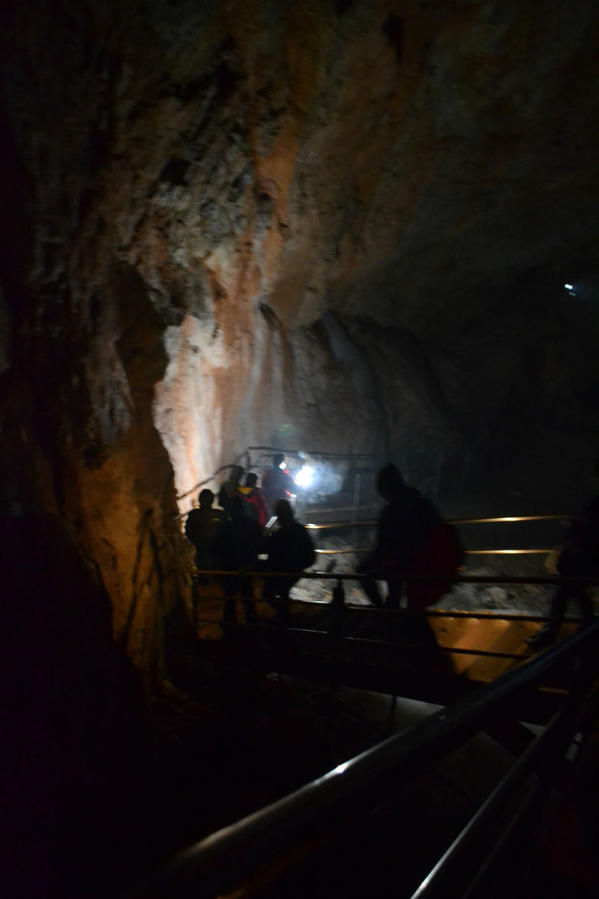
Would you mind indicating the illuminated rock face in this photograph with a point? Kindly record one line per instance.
(337, 225)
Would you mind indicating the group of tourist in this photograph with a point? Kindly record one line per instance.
(235, 538)
(412, 542)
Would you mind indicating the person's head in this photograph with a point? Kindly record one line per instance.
(235, 475)
(206, 498)
(278, 459)
(251, 479)
(284, 512)
(389, 482)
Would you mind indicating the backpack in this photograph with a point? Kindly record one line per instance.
(441, 553)
(250, 510)
(308, 551)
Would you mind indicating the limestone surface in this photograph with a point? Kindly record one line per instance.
(337, 226)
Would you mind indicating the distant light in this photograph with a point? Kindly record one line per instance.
(570, 289)
(568, 286)
(305, 476)
(282, 465)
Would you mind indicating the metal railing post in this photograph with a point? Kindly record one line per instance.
(337, 606)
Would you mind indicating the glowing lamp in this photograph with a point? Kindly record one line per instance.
(305, 476)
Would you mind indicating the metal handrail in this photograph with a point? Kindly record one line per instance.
(467, 552)
(399, 576)
(372, 523)
(314, 453)
(505, 519)
(226, 859)
(348, 456)
(509, 519)
(436, 880)
(389, 612)
(362, 640)
(275, 449)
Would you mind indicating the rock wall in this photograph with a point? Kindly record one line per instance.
(335, 224)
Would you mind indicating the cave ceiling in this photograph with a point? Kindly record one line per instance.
(376, 158)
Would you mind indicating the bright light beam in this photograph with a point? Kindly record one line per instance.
(305, 476)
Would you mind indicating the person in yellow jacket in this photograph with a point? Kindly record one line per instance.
(254, 504)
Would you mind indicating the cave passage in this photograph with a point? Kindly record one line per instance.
(361, 231)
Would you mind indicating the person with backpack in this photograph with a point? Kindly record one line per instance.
(289, 549)
(254, 504)
(579, 558)
(411, 540)
(201, 527)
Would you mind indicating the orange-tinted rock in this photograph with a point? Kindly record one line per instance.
(230, 222)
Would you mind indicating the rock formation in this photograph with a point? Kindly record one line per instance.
(337, 225)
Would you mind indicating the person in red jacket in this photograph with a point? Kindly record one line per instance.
(277, 483)
(411, 540)
(253, 500)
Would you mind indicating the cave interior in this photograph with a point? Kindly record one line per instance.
(363, 227)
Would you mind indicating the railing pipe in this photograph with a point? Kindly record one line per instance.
(505, 519)
(222, 860)
(549, 746)
(467, 552)
(435, 883)
(456, 578)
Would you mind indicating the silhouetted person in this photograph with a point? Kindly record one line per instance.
(411, 540)
(236, 547)
(578, 558)
(254, 504)
(277, 483)
(201, 528)
(228, 489)
(405, 523)
(289, 549)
